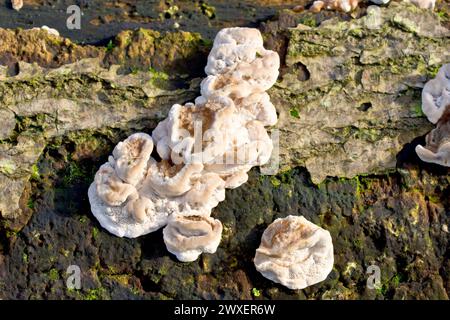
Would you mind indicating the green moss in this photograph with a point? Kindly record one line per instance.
(64, 252)
(53, 274)
(95, 233)
(95, 294)
(35, 172)
(418, 112)
(135, 291)
(383, 289)
(359, 187)
(110, 46)
(356, 32)
(159, 78)
(310, 50)
(396, 280)
(371, 135)
(164, 270)
(443, 15)
(434, 198)
(122, 279)
(299, 47)
(83, 219)
(309, 21)
(134, 70)
(256, 292)
(233, 262)
(275, 182)
(74, 173)
(357, 243)
(207, 10)
(7, 167)
(11, 233)
(30, 203)
(283, 177)
(294, 113)
(25, 258)
(433, 70)
(206, 42)
(170, 12)
(188, 281)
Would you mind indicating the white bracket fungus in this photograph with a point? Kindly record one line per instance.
(17, 4)
(437, 148)
(436, 106)
(436, 94)
(338, 5)
(187, 237)
(295, 253)
(204, 148)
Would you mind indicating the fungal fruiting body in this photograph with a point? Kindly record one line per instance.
(350, 5)
(436, 94)
(437, 149)
(189, 236)
(338, 5)
(436, 106)
(17, 4)
(295, 253)
(204, 147)
(51, 30)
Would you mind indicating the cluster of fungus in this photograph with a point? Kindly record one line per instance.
(350, 5)
(201, 149)
(436, 106)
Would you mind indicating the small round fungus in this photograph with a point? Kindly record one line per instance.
(436, 94)
(338, 5)
(295, 253)
(17, 4)
(187, 237)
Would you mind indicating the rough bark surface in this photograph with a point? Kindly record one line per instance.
(349, 103)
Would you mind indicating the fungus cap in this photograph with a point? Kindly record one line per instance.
(339, 5)
(17, 4)
(437, 149)
(231, 46)
(436, 94)
(295, 253)
(187, 237)
(134, 193)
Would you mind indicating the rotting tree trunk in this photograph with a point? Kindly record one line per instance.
(348, 98)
